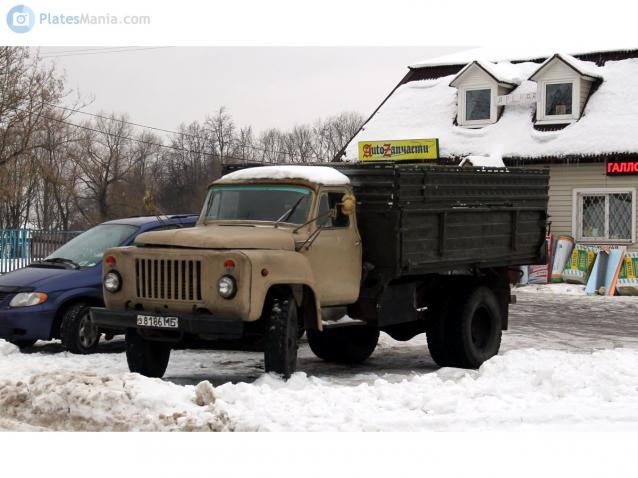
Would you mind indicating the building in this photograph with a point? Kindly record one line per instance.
(576, 114)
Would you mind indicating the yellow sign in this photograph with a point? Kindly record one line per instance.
(398, 150)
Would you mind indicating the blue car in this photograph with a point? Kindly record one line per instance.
(51, 298)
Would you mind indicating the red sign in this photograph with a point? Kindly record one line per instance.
(622, 167)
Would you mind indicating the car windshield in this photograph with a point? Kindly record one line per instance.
(290, 204)
(87, 249)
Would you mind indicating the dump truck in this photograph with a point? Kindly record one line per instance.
(341, 252)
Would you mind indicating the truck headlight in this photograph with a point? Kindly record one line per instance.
(227, 287)
(27, 299)
(112, 281)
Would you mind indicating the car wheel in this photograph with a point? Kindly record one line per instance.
(77, 332)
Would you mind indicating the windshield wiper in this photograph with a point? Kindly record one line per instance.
(289, 212)
(63, 261)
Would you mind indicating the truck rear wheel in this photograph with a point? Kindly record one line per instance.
(472, 330)
(281, 343)
(349, 345)
(146, 357)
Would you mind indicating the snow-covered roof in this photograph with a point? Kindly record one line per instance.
(316, 174)
(427, 109)
(501, 72)
(513, 52)
(584, 68)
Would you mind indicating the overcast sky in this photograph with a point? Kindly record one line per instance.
(265, 87)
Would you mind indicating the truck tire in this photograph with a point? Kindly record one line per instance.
(281, 342)
(77, 332)
(473, 329)
(435, 328)
(146, 357)
(348, 345)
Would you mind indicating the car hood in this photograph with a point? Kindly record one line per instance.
(221, 237)
(49, 279)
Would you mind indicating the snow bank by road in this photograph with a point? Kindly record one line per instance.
(521, 389)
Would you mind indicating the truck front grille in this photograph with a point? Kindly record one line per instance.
(168, 279)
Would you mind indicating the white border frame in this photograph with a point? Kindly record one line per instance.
(577, 215)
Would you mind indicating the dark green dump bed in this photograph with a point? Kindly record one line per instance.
(418, 219)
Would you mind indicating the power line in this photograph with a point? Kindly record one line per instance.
(105, 52)
(162, 130)
(137, 140)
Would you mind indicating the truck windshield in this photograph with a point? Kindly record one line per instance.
(87, 249)
(290, 204)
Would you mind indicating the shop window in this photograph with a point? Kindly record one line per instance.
(605, 215)
(329, 202)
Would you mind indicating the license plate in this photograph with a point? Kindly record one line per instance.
(159, 322)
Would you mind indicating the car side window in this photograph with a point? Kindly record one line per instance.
(330, 202)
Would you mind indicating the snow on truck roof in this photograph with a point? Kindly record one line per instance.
(315, 174)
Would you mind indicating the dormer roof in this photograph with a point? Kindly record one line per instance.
(501, 73)
(585, 69)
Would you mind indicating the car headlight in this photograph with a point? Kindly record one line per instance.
(27, 299)
(112, 281)
(227, 287)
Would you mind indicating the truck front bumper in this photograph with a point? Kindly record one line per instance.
(211, 326)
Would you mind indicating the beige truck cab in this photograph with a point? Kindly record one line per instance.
(272, 247)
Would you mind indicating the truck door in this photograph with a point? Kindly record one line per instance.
(335, 255)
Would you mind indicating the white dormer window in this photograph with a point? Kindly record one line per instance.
(564, 84)
(479, 84)
(479, 107)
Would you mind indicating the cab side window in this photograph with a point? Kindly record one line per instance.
(327, 202)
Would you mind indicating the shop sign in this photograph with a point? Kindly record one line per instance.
(622, 167)
(399, 150)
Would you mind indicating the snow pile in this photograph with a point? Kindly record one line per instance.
(521, 389)
(64, 400)
(483, 162)
(315, 174)
(7, 348)
(560, 289)
(427, 109)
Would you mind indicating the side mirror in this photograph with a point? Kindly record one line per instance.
(348, 204)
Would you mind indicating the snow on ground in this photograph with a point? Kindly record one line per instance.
(567, 362)
(559, 288)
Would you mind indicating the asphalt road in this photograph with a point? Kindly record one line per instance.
(540, 321)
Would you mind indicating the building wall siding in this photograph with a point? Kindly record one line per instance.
(585, 88)
(564, 178)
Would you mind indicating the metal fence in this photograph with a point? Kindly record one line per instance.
(20, 247)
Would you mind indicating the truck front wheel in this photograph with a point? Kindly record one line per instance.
(471, 333)
(146, 357)
(281, 344)
(349, 345)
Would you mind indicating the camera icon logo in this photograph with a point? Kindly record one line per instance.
(20, 19)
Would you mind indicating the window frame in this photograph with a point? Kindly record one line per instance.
(577, 214)
(462, 103)
(327, 191)
(542, 117)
